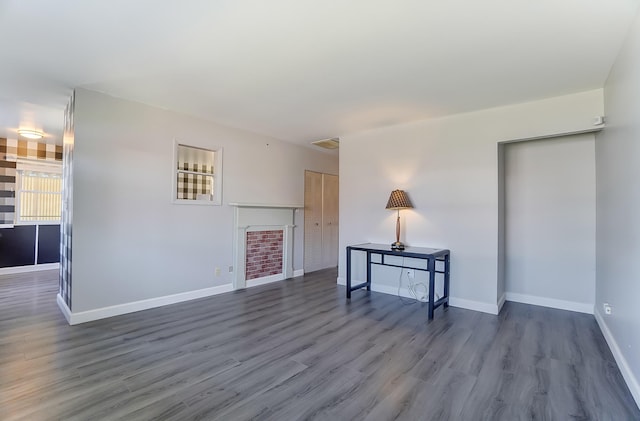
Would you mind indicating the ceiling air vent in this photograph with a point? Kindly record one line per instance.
(333, 143)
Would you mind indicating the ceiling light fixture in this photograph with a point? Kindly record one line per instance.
(30, 134)
(333, 143)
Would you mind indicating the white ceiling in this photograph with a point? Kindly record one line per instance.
(301, 70)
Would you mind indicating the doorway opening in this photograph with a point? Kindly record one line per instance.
(547, 222)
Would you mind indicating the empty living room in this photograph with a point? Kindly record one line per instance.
(305, 210)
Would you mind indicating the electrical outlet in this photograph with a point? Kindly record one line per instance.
(410, 273)
(217, 271)
(230, 269)
(607, 308)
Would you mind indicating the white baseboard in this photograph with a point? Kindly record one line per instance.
(64, 308)
(453, 301)
(501, 301)
(29, 268)
(473, 305)
(117, 310)
(550, 302)
(629, 377)
(298, 272)
(387, 289)
(264, 280)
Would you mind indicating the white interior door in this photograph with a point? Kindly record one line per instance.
(550, 222)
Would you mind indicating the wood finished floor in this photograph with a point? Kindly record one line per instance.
(296, 350)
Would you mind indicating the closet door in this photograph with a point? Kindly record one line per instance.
(330, 221)
(312, 221)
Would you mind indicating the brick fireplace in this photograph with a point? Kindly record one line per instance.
(264, 253)
(263, 243)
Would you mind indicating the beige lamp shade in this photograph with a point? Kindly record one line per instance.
(399, 200)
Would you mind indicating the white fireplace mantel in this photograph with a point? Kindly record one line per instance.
(261, 216)
(265, 205)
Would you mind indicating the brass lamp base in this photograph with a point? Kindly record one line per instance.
(397, 246)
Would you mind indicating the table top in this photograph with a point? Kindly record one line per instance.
(409, 251)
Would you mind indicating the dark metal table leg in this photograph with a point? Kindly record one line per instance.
(368, 271)
(431, 266)
(446, 280)
(348, 272)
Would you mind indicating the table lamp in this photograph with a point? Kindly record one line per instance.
(398, 200)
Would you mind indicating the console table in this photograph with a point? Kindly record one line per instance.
(383, 250)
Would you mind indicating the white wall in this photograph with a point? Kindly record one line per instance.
(130, 242)
(618, 212)
(551, 222)
(449, 168)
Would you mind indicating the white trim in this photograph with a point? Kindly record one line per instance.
(248, 217)
(385, 289)
(501, 301)
(35, 247)
(271, 278)
(265, 205)
(453, 301)
(39, 165)
(627, 373)
(116, 310)
(473, 305)
(272, 227)
(594, 129)
(550, 302)
(264, 280)
(195, 202)
(63, 308)
(29, 268)
(29, 223)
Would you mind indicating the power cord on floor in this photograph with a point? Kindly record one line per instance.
(413, 288)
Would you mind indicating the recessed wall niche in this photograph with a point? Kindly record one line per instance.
(197, 174)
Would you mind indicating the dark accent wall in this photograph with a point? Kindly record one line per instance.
(49, 244)
(18, 246)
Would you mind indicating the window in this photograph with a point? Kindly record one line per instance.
(38, 194)
(198, 175)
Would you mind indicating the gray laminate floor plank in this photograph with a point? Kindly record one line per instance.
(297, 350)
